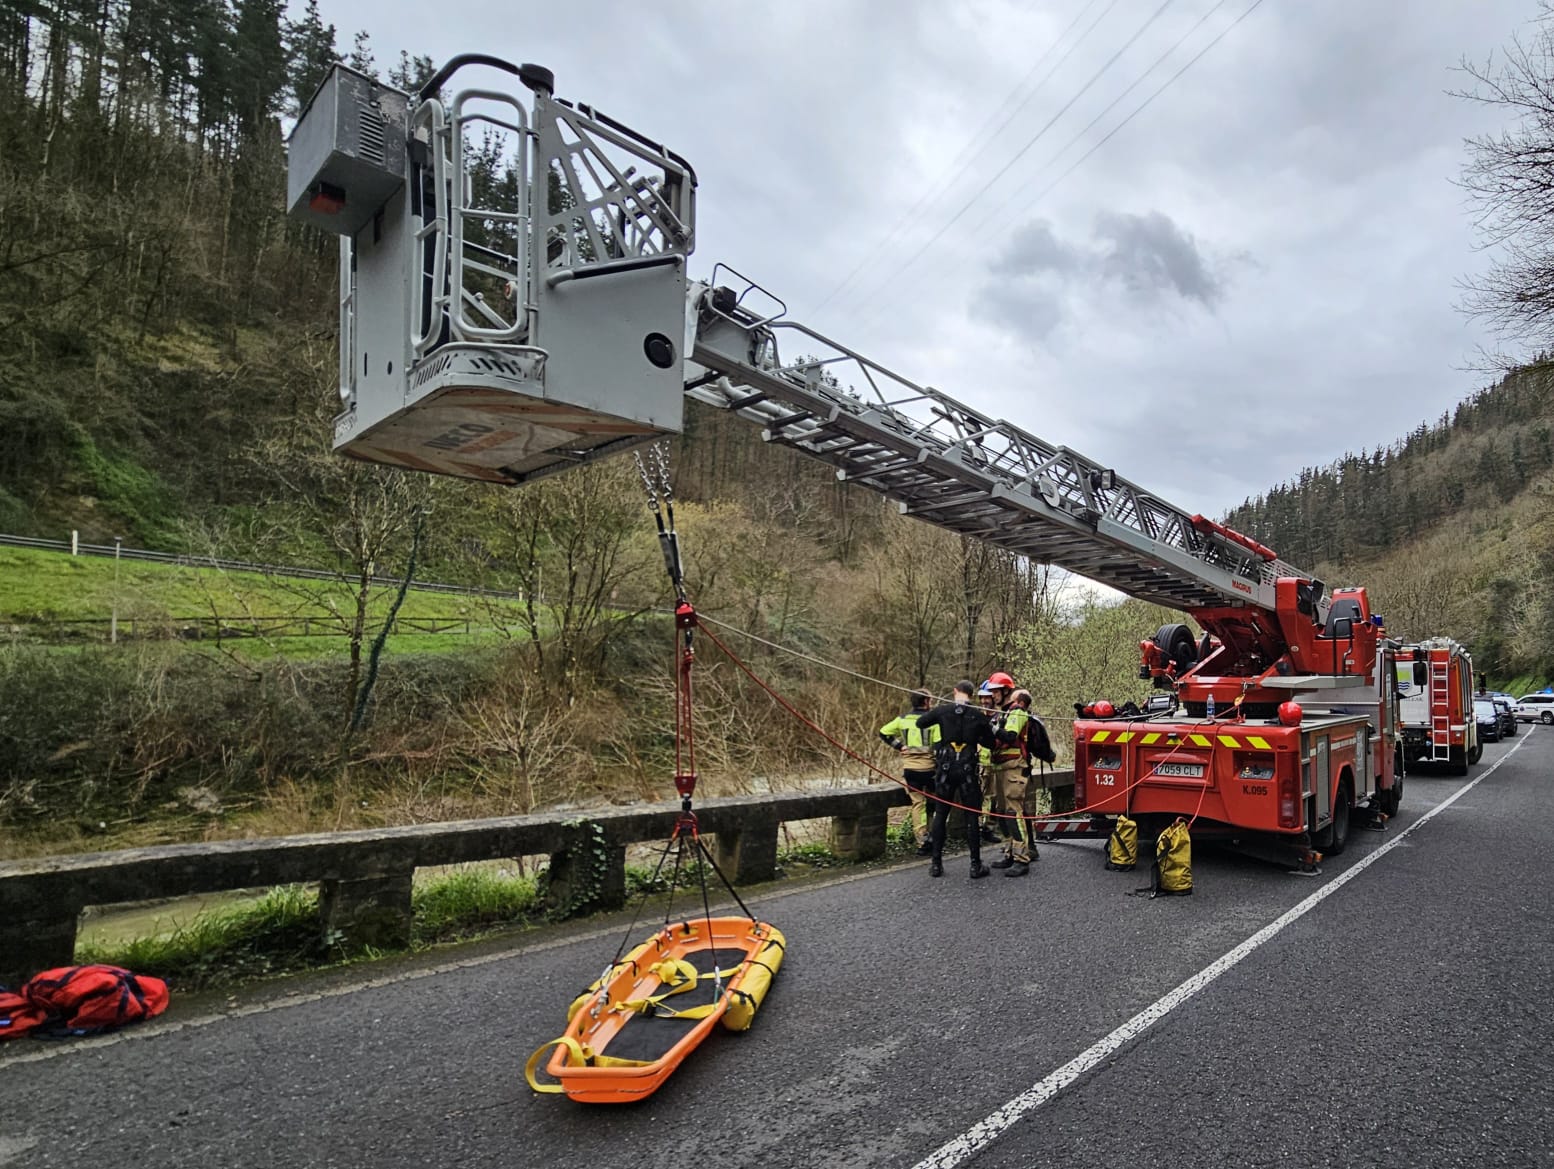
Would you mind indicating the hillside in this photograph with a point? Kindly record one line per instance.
(1449, 526)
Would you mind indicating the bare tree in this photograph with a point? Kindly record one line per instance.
(574, 547)
(366, 515)
(1509, 177)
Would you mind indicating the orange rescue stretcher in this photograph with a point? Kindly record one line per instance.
(631, 1028)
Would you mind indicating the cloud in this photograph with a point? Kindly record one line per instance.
(1034, 249)
(1039, 280)
(1151, 256)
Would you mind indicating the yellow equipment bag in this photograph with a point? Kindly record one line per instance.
(1122, 847)
(1173, 861)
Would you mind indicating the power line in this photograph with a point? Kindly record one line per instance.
(1139, 109)
(939, 187)
(1019, 154)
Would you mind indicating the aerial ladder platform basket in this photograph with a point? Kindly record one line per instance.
(512, 275)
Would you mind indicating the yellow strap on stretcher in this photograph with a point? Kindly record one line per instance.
(699, 1012)
(581, 1056)
(675, 973)
(530, 1069)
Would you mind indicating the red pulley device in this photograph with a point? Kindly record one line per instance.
(1289, 714)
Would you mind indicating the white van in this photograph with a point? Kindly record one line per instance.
(1535, 708)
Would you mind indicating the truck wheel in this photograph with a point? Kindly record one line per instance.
(1176, 642)
(1476, 754)
(1459, 761)
(1388, 801)
(1333, 839)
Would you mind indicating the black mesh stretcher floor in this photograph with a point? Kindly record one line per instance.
(649, 1037)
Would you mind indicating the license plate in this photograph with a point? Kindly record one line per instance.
(1191, 770)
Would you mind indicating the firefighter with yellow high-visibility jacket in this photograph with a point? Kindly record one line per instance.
(991, 809)
(917, 761)
(1022, 732)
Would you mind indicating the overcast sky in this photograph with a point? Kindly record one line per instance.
(1256, 274)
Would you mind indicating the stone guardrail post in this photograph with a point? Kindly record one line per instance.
(747, 854)
(367, 911)
(28, 945)
(587, 873)
(859, 838)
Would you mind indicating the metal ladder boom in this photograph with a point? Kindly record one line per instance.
(955, 467)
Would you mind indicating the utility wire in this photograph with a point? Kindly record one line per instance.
(702, 617)
(1111, 105)
(1019, 154)
(940, 187)
(1139, 109)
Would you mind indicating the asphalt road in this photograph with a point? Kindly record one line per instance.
(1399, 1016)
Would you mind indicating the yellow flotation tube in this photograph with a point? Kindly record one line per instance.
(634, 1024)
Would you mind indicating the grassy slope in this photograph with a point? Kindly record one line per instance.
(55, 586)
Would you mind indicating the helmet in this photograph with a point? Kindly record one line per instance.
(1001, 681)
(985, 691)
(1102, 709)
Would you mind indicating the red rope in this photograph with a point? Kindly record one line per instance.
(850, 753)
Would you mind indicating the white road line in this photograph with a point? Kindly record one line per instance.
(53, 1050)
(960, 1149)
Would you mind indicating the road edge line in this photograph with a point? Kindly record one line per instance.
(959, 1149)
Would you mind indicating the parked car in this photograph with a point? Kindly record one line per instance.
(1487, 715)
(1507, 709)
(1536, 708)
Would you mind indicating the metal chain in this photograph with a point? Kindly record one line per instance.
(659, 452)
(647, 483)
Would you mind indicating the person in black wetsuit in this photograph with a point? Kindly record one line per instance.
(963, 727)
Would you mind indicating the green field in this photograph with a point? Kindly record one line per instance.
(40, 587)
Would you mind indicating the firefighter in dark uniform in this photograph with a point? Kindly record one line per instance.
(917, 762)
(964, 729)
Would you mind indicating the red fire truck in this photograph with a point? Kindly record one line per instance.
(1435, 704)
(1283, 729)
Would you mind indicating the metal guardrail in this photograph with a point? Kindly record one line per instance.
(190, 560)
(365, 876)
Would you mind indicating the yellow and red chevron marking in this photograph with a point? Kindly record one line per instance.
(1190, 739)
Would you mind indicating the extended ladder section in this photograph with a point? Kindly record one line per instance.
(956, 467)
(1440, 709)
(514, 302)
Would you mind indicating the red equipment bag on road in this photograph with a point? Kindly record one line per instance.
(18, 1016)
(82, 1000)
